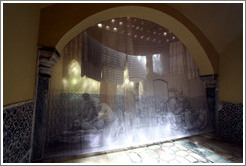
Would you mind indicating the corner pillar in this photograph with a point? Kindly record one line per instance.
(211, 84)
(47, 58)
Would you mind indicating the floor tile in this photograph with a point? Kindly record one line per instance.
(182, 160)
(196, 156)
(217, 159)
(204, 148)
(191, 159)
(135, 157)
(180, 146)
(119, 157)
(182, 153)
(168, 150)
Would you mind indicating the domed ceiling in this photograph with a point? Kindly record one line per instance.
(145, 35)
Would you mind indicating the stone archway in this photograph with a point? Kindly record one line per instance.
(180, 30)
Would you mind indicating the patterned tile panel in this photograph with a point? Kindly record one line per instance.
(230, 122)
(17, 129)
(26, 158)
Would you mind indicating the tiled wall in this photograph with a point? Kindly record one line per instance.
(17, 131)
(230, 122)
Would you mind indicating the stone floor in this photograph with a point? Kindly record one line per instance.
(204, 148)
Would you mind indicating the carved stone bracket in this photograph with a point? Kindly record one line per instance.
(210, 81)
(48, 57)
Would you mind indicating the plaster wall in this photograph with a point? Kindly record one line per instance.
(231, 73)
(20, 36)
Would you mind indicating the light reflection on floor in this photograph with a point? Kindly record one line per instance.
(134, 137)
(205, 148)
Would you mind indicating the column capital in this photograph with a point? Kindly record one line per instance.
(47, 58)
(210, 81)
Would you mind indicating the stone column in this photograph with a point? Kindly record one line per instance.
(211, 84)
(47, 58)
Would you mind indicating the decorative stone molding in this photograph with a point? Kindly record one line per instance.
(48, 57)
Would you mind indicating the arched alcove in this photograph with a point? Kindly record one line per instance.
(144, 92)
(184, 34)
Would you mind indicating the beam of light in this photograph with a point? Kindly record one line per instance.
(157, 64)
(74, 68)
(126, 81)
(126, 73)
(94, 84)
(74, 81)
(141, 88)
(139, 58)
(64, 81)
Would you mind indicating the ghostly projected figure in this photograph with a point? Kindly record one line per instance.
(106, 113)
(74, 130)
(104, 123)
(178, 105)
(112, 129)
(96, 118)
(196, 120)
(183, 116)
(89, 112)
